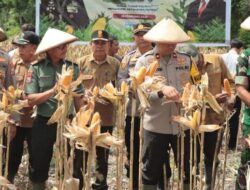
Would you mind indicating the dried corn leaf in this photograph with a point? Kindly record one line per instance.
(56, 115)
(106, 140)
(209, 128)
(5, 183)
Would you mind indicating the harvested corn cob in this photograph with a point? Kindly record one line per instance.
(152, 68)
(227, 87)
(140, 75)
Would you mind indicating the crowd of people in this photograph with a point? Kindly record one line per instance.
(32, 68)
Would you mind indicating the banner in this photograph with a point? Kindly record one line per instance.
(204, 21)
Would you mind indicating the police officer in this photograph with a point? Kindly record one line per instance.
(40, 89)
(100, 69)
(159, 131)
(214, 66)
(127, 67)
(27, 45)
(243, 90)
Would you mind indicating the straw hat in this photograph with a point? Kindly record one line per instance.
(246, 24)
(53, 38)
(166, 31)
(3, 36)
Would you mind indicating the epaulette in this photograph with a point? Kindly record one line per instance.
(150, 52)
(182, 53)
(40, 57)
(131, 52)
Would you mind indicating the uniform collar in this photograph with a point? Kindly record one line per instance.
(106, 60)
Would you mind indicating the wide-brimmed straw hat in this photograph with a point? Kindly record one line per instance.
(53, 38)
(3, 36)
(166, 31)
(246, 24)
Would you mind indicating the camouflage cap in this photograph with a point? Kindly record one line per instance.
(100, 35)
(142, 27)
(28, 37)
(3, 35)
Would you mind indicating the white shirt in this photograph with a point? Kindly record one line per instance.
(230, 59)
(207, 1)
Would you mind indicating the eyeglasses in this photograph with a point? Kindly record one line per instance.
(99, 42)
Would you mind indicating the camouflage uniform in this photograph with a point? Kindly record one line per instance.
(242, 78)
(23, 121)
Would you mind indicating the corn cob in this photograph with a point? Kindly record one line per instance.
(140, 75)
(152, 68)
(5, 100)
(11, 90)
(95, 118)
(67, 79)
(110, 88)
(124, 87)
(95, 91)
(100, 24)
(227, 87)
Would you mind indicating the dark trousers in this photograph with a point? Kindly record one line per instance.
(102, 155)
(234, 124)
(43, 139)
(136, 146)
(156, 153)
(16, 150)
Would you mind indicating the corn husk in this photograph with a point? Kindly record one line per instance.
(5, 183)
(227, 87)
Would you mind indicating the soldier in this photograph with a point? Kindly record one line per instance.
(127, 66)
(159, 131)
(40, 89)
(100, 69)
(213, 65)
(27, 45)
(243, 90)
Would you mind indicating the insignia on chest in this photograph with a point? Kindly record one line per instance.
(181, 68)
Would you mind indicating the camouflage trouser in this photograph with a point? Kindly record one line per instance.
(245, 162)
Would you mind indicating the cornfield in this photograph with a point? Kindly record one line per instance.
(77, 51)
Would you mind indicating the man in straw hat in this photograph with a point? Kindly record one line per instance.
(26, 46)
(159, 131)
(243, 90)
(40, 89)
(214, 66)
(127, 66)
(100, 69)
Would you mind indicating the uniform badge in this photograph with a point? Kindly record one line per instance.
(181, 61)
(140, 26)
(29, 77)
(100, 34)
